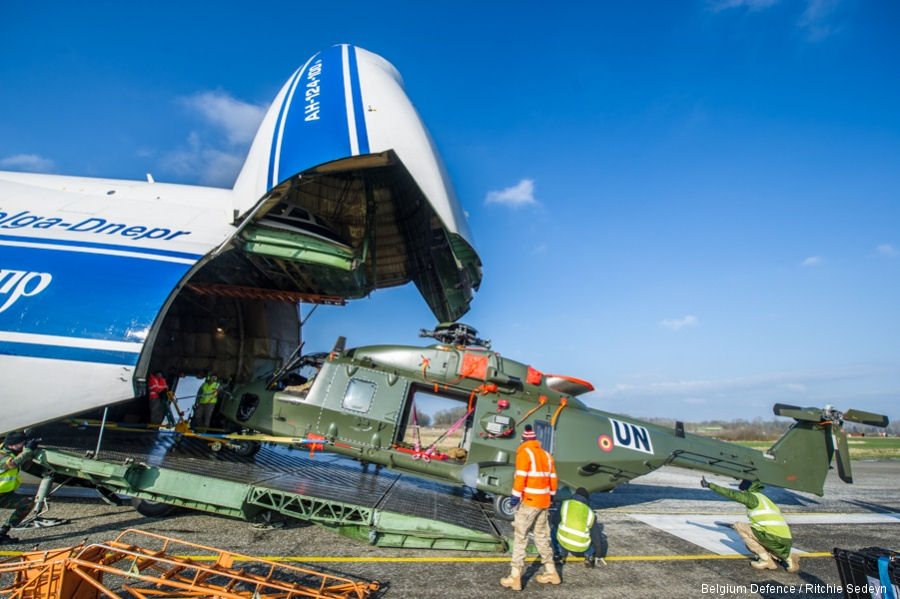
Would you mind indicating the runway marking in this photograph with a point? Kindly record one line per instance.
(399, 560)
(698, 528)
(707, 531)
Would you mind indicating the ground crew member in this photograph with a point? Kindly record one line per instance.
(576, 530)
(16, 450)
(768, 534)
(157, 390)
(207, 395)
(533, 489)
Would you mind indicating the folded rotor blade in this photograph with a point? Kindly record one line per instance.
(866, 418)
(839, 442)
(798, 413)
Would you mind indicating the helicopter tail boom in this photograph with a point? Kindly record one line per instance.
(799, 460)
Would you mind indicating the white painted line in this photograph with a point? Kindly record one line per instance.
(705, 531)
(78, 342)
(348, 100)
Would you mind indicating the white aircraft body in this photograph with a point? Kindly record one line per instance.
(103, 280)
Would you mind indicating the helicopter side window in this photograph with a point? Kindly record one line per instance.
(358, 396)
(544, 433)
(437, 423)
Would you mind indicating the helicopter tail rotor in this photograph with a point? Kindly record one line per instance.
(833, 420)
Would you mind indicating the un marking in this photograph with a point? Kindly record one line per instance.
(632, 436)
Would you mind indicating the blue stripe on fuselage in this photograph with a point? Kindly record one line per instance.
(275, 135)
(315, 122)
(90, 295)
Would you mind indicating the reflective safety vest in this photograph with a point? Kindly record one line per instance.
(535, 480)
(575, 522)
(208, 392)
(9, 479)
(155, 386)
(767, 517)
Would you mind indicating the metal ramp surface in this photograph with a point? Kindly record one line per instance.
(379, 506)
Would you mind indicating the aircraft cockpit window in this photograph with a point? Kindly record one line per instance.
(359, 395)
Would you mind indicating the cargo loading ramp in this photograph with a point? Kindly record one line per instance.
(382, 508)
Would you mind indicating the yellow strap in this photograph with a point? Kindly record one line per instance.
(542, 400)
(562, 403)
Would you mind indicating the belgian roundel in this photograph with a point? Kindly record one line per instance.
(605, 442)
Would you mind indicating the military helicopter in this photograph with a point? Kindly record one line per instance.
(361, 403)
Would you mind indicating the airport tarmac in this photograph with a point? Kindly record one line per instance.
(666, 538)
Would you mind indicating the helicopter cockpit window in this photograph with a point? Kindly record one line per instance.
(359, 395)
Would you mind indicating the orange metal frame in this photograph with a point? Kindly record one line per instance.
(159, 568)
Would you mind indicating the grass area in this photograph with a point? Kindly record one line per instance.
(861, 448)
(429, 434)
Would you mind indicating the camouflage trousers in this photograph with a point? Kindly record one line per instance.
(777, 546)
(20, 504)
(528, 518)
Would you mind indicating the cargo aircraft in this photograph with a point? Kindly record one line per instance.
(362, 402)
(342, 193)
(104, 281)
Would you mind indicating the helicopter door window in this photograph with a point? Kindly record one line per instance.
(544, 433)
(359, 395)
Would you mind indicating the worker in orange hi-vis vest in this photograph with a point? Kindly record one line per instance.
(157, 389)
(533, 490)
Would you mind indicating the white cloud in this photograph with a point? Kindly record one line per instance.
(521, 194)
(695, 401)
(238, 120)
(872, 387)
(206, 164)
(31, 163)
(214, 154)
(886, 249)
(816, 19)
(679, 323)
(812, 261)
(752, 5)
(795, 382)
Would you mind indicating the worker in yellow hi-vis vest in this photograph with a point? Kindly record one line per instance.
(767, 535)
(17, 449)
(576, 531)
(205, 405)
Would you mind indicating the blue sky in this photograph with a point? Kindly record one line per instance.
(694, 205)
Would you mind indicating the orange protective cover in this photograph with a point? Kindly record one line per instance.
(474, 366)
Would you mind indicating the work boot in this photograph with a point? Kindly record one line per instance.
(590, 562)
(765, 562)
(514, 580)
(792, 564)
(549, 576)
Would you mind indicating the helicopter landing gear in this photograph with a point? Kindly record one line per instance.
(503, 508)
(245, 449)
